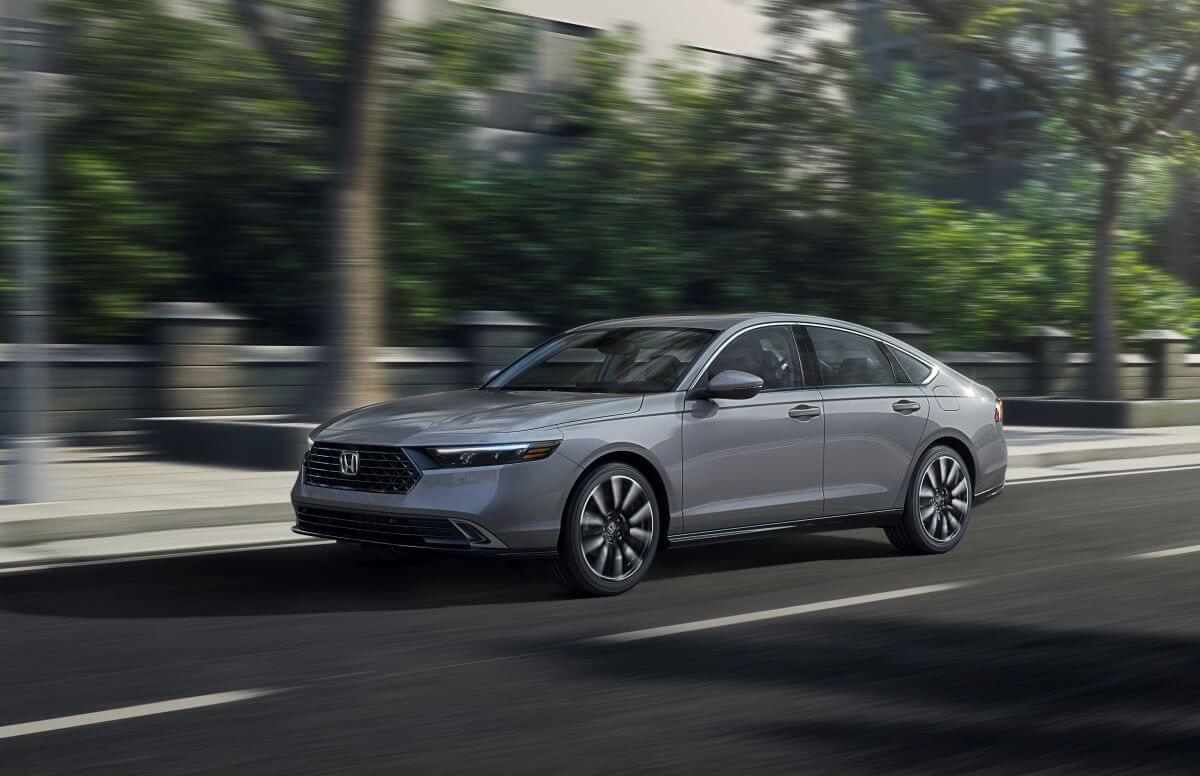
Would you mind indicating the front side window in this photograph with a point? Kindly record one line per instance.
(617, 360)
(849, 359)
(765, 353)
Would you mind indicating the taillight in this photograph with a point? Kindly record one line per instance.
(999, 416)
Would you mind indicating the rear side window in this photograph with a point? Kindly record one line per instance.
(849, 359)
(917, 371)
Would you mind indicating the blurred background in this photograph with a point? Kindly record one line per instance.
(223, 221)
(354, 175)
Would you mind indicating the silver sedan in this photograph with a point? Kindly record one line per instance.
(618, 439)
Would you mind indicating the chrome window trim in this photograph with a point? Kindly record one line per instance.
(935, 370)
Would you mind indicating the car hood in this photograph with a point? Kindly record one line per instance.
(471, 413)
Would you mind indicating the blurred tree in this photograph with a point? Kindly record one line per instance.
(350, 108)
(701, 188)
(184, 162)
(1138, 70)
(178, 168)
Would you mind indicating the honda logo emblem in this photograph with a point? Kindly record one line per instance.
(349, 462)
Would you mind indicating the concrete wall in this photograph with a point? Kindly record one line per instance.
(197, 366)
(275, 380)
(97, 388)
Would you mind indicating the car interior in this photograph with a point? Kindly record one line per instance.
(763, 355)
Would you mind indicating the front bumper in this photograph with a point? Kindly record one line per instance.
(513, 509)
(460, 548)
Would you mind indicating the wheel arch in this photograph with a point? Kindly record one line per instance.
(646, 467)
(951, 438)
(958, 445)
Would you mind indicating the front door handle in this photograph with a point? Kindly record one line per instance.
(906, 407)
(804, 412)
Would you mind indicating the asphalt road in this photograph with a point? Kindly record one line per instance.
(1041, 647)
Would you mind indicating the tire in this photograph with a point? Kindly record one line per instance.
(610, 532)
(937, 507)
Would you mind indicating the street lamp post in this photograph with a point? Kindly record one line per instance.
(28, 480)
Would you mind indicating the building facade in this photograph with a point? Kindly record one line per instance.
(511, 123)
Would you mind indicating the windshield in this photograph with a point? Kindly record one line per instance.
(619, 360)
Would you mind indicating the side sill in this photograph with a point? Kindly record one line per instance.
(807, 525)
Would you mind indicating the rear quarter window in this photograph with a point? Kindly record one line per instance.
(917, 371)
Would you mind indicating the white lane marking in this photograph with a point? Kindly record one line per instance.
(66, 564)
(770, 614)
(1166, 553)
(129, 712)
(1128, 473)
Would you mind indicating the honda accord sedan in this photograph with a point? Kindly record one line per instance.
(616, 440)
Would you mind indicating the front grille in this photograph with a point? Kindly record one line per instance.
(380, 469)
(375, 527)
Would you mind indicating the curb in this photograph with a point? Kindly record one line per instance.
(152, 545)
(39, 530)
(1041, 459)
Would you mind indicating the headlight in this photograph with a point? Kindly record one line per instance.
(491, 455)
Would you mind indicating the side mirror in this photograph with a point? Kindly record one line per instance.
(487, 378)
(732, 384)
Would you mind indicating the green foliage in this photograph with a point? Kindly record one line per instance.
(182, 166)
(984, 277)
(179, 168)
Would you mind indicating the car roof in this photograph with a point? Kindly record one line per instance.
(720, 321)
(715, 322)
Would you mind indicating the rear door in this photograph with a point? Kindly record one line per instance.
(873, 421)
(754, 461)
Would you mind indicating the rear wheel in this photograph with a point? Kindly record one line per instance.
(938, 506)
(610, 532)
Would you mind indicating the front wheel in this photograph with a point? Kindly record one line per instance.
(938, 506)
(610, 532)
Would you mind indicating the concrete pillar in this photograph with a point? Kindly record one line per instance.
(1050, 348)
(1168, 352)
(194, 345)
(917, 336)
(493, 339)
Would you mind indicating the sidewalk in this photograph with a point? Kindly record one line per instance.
(113, 501)
(1041, 446)
(112, 491)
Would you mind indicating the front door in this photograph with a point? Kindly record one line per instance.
(873, 423)
(754, 461)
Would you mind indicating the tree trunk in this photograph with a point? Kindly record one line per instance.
(1103, 377)
(355, 307)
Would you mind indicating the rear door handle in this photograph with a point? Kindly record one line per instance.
(905, 407)
(804, 412)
